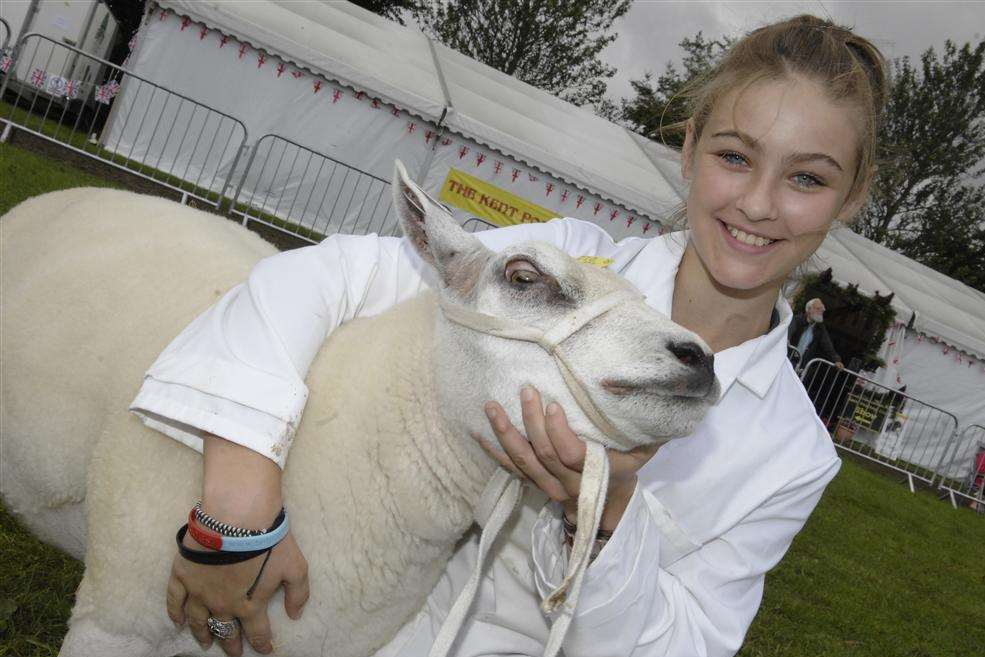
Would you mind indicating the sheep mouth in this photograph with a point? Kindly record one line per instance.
(683, 388)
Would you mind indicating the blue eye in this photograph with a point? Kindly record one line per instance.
(807, 180)
(731, 157)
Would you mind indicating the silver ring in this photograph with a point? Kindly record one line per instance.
(223, 629)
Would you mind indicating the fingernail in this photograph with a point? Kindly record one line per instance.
(527, 393)
(490, 411)
(553, 408)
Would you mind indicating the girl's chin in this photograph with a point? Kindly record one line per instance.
(747, 279)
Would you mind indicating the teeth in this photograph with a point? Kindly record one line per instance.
(746, 238)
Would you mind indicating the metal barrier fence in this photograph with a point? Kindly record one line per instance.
(963, 472)
(302, 192)
(475, 225)
(4, 36)
(794, 356)
(879, 423)
(146, 129)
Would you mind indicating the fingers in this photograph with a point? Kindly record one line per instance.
(176, 600)
(234, 646)
(256, 630)
(296, 588)
(555, 444)
(197, 615)
(522, 454)
(569, 447)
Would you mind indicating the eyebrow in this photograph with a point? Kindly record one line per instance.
(796, 158)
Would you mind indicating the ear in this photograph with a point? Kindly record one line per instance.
(457, 256)
(687, 152)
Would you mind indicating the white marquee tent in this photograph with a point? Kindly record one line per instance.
(387, 91)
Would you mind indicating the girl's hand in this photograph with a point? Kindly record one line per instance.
(551, 456)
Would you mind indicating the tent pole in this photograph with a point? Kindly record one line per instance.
(429, 160)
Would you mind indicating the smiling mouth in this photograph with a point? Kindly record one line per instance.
(748, 238)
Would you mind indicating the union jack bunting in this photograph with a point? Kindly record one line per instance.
(5, 63)
(106, 92)
(73, 88)
(38, 77)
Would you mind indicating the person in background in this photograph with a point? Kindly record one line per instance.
(809, 335)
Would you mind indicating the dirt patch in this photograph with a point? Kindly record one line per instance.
(139, 184)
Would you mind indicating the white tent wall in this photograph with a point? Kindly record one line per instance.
(271, 96)
(942, 376)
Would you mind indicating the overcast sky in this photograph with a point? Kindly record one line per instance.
(650, 32)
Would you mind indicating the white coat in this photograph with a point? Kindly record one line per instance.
(683, 573)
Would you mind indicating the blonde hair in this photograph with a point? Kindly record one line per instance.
(850, 68)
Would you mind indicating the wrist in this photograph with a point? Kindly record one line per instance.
(616, 503)
(240, 487)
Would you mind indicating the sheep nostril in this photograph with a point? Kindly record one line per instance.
(691, 354)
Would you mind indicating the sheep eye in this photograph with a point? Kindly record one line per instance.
(522, 276)
(521, 272)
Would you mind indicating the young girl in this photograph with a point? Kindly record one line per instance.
(779, 147)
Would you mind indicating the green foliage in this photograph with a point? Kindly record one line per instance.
(856, 323)
(926, 202)
(553, 45)
(663, 102)
(392, 9)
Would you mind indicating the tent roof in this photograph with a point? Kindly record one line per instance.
(402, 66)
(939, 305)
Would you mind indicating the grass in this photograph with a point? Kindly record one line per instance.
(26, 174)
(877, 572)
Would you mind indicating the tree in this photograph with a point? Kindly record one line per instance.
(926, 202)
(392, 9)
(551, 44)
(660, 103)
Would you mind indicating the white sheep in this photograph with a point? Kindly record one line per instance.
(96, 283)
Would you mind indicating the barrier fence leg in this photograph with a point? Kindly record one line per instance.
(6, 133)
(909, 480)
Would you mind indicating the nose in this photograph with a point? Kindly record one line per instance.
(692, 355)
(756, 201)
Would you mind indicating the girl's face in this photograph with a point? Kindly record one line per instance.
(770, 173)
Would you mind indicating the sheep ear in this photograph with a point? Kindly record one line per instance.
(439, 240)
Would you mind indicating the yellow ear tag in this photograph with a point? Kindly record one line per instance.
(595, 260)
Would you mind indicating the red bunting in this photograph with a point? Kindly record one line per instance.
(163, 15)
(516, 174)
(480, 159)
(564, 195)
(598, 206)
(463, 151)
(548, 189)
(497, 167)
(202, 33)
(629, 222)
(395, 112)
(242, 50)
(579, 201)
(646, 227)
(359, 95)
(613, 214)
(446, 141)
(336, 94)
(427, 136)
(280, 68)
(261, 59)
(532, 177)
(223, 41)
(411, 127)
(297, 75)
(317, 85)
(185, 22)
(375, 104)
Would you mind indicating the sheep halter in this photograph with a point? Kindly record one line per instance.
(502, 494)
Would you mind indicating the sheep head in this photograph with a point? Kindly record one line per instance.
(651, 378)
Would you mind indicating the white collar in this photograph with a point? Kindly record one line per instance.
(756, 362)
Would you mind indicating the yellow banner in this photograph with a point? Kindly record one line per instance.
(482, 199)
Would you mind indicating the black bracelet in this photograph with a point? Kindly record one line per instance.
(213, 558)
